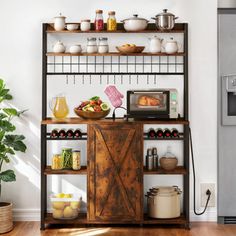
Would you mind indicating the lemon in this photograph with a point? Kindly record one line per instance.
(57, 214)
(58, 205)
(68, 195)
(60, 195)
(74, 205)
(68, 212)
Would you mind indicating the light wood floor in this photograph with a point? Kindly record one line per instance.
(197, 229)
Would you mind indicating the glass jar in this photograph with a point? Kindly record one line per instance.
(111, 21)
(103, 45)
(56, 162)
(92, 45)
(85, 25)
(76, 160)
(99, 23)
(66, 158)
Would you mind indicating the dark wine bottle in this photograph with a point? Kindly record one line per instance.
(77, 133)
(159, 133)
(167, 133)
(62, 133)
(69, 133)
(151, 133)
(54, 133)
(174, 133)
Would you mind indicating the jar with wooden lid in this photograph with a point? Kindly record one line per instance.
(111, 21)
(99, 23)
(56, 162)
(76, 160)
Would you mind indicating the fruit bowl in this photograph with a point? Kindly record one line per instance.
(139, 49)
(126, 49)
(65, 208)
(91, 115)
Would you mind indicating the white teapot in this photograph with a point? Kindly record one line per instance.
(59, 47)
(155, 44)
(172, 46)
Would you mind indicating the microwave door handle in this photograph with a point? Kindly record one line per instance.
(144, 92)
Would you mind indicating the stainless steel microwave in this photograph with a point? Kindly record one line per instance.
(152, 104)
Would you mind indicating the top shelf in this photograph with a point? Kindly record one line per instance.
(179, 28)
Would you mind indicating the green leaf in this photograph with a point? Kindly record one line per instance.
(2, 148)
(8, 97)
(4, 92)
(15, 142)
(2, 133)
(8, 176)
(10, 111)
(1, 84)
(9, 150)
(7, 126)
(95, 98)
(4, 157)
(2, 116)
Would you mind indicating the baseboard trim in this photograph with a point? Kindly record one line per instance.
(208, 216)
(26, 214)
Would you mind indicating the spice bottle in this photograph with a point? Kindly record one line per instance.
(56, 162)
(149, 159)
(76, 160)
(99, 23)
(155, 158)
(111, 21)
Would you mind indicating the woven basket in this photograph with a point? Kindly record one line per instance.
(6, 221)
(168, 163)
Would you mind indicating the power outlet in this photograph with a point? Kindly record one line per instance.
(204, 196)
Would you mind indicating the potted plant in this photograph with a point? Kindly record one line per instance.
(9, 144)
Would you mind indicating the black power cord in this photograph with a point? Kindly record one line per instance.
(208, 192)
(114, 112)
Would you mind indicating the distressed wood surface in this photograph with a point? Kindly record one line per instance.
(115, 180)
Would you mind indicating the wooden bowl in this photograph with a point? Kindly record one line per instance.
(168, 163)
(126, 49)
(139, 49)
(91, 115)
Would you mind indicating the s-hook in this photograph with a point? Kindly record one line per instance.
(66, 79)
(74, 79)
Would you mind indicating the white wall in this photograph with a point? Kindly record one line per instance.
(20, 66)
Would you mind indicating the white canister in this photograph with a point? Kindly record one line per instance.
(103, 45)
(172, 46)
(164, 202)
(59, 47)
(59, 22)
(92, 45)
(75, 49)
(85, 25)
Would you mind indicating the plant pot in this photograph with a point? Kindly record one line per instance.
(6, 221)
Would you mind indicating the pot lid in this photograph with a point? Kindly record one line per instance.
(165, 13)
(164, 191)
(60, 16)
(135, 17)
(91, 39)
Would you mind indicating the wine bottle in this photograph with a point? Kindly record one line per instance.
(77, 133)
(159, 133)
(69, 133)
(54, 133)
(151, 133)
(62, 133)
(174, 133)
(167, 133)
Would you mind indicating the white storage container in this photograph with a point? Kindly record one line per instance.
(164, 202)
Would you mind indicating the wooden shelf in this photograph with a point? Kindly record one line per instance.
(114, 54)
(75, 120)
(82, 219)
(179, 170)
(49, 171)
(174, 221)
(179, 28)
